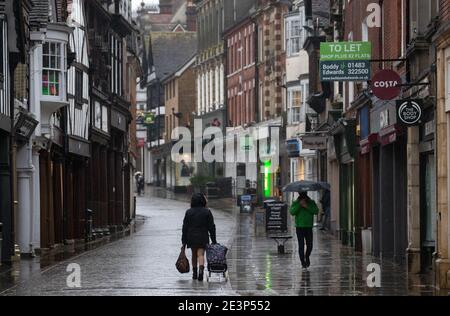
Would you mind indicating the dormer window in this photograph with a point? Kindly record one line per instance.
(53, 68)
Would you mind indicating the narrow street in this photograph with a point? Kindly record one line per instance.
(143, 263)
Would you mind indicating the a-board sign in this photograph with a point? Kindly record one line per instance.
(276, 218)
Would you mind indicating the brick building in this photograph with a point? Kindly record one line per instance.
(180, 101)
(241, 73)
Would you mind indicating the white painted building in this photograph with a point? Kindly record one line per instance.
(53, 87)
(304, 166)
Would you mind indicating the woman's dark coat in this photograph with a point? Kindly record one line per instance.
(197, 223)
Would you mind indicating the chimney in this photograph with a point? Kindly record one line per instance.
(191, 16)
(165, 6)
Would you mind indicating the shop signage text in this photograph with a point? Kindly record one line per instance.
(345, 71)
(314, 142)
(345, 61)
(341, 51)
(409, 112)
(386, 85)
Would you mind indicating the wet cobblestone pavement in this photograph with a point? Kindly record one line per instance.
(143, 263)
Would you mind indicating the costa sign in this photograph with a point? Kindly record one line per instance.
(386, 85)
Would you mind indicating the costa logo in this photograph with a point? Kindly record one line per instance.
(386, 85)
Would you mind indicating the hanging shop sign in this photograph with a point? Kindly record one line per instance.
(409, 112)
(386, 84)
(345, 61)
(314, 142)
(294, 148)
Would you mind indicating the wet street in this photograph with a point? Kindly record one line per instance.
(143, 263)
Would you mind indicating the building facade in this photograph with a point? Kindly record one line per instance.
(303, 163)
(241, 83)
(271, 109)
(441, 40)
(180, 100)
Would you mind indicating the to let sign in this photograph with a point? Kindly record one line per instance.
(345, 71)
(345, 61)
(409, 112)
(338, 51)
(386, 85)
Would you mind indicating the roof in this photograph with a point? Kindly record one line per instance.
(181, 70)
(170, 51)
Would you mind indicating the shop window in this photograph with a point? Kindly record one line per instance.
(53, 68)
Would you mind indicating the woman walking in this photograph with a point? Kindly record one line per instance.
(198, 228)
(304, 210)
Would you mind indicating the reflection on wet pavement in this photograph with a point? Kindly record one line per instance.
(258, 269)
(142, 262)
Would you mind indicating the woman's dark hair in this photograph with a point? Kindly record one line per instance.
(304, 196)
(198, 200)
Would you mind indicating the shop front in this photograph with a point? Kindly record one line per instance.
(344, 131)
(389, 183)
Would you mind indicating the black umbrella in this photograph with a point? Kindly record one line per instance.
(306, 186)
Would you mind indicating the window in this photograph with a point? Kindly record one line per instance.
(53, 68)
(78, 87)
(116, 69)
(101, 117)
(293, 30)
(421, 15)
(295, 102)
(295, 34)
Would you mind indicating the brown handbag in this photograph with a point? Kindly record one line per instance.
(183, 262)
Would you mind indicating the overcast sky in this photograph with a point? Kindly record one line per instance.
(137, 3)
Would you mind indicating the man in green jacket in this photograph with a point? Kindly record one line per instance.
(304, 210)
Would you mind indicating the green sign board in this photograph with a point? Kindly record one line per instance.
(345, 70)
(246, 143)
(337, 51)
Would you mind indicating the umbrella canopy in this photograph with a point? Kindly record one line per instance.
(306, 186)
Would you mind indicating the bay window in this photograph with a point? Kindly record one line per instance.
(53, 68)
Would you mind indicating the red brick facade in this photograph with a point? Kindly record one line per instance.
(241, 73)
(272, 61)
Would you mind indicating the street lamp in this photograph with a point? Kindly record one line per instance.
(24, 125)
